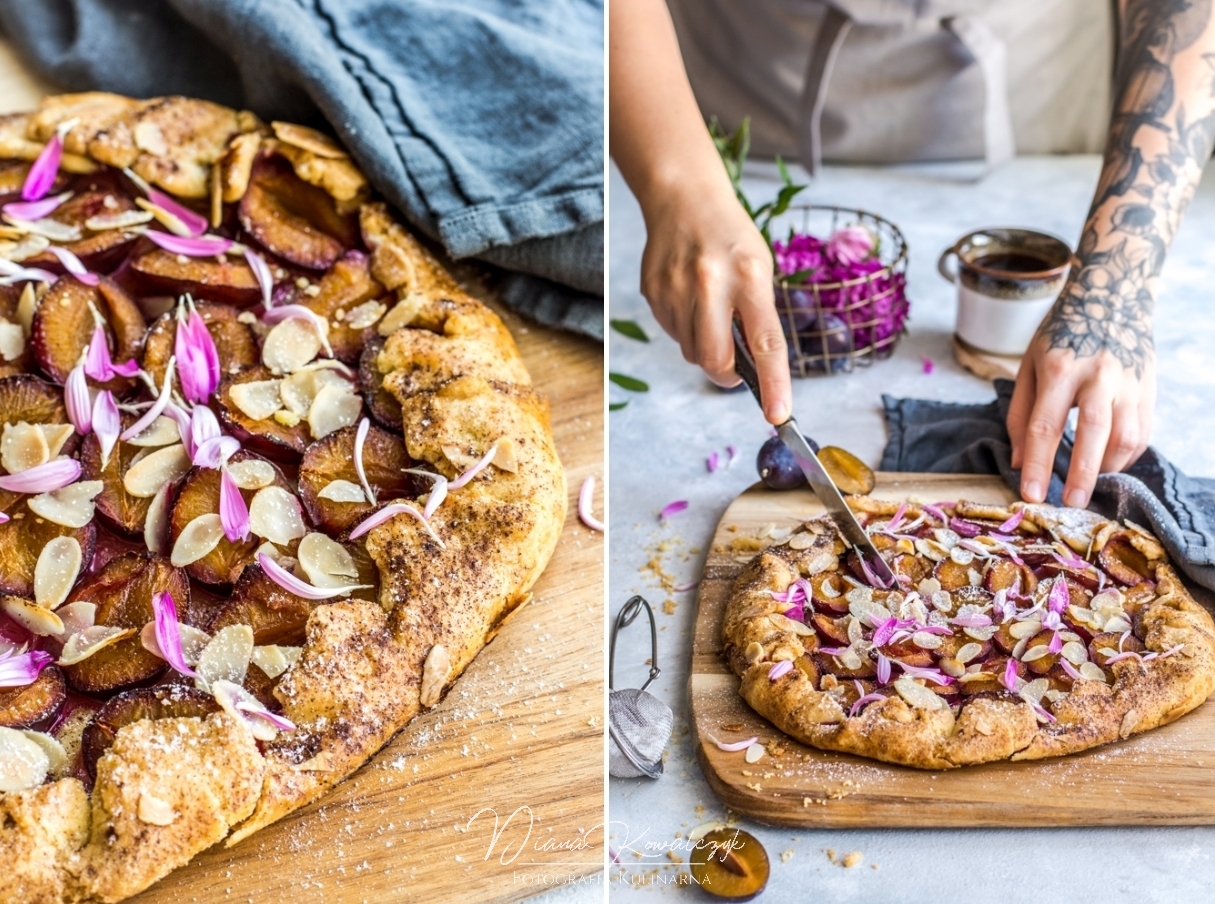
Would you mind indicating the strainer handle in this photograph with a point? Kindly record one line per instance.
(624, 618)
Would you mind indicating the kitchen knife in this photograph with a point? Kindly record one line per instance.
(820, 481)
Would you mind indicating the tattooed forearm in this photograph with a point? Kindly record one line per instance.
(1161, 135)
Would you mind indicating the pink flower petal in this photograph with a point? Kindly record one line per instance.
(99, 365)
(360, 437)
(107, 422)
(862, 702)
(1009, 678)
(780, 669)
(158, 407)
(215, 452)
(388, 512)
(973, 620)
(586, 497)
(1056, 643)
(183, 419)
(292, 584)
(202, 246)
(261, 270)
(74, 265)
(937, 512)
(4, 519)
(233, 513)
(883, 669)
(197, 358)
(713, 462)
(44, 478)
(1060, 596)
(257, 709)
(898, 517)
(23, 669)
(438, 493)
(203, 426)
(678, 588)
(672, 508)
(194, 222)
(476, 469)
(1012, 523)
(734, 456)
(168, 632)
(44, 170)
(11, 273)
(734, 747)
(77, 401)
(1070, 669)
(927, 365)
(35, 210)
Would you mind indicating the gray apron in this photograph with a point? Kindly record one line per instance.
(891, 81)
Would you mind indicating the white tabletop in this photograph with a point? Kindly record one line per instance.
(658, 446)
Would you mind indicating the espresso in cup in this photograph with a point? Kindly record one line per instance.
(1007, 280)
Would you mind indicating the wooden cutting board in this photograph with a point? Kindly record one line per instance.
(1163, 777)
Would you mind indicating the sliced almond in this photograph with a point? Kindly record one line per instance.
(148, 137)
(1118, 624)
(252, 473)
(308, 139)
(926, 640)
(12, 340)
(402, 314)
(83, 644)
(23, 446)
(968, 652)
(161, 432)
(24, 763)
(1091, 671)
(193, 641)
(784, 623)
(76, 617)
(754, 753)
(434, 675)
(754, 652)
(1129, 721)
(71, 506)
(326, 562)
(290, 345)
(458, 457)
(506, 460)
(333, 408)
(961, 556)
(154, 811)
(29, 246)
(103, 222)
(1041, 651)
(56, 571)
(258, 399)
(1023, 629)
(271, 660)
(299, 390)
(230, 695)
(1033, 690)
(156, 525)
(1075, 652)
(46, 228)
(366, 314)
(226, 657)
(145, 478)
(197, 539)
(32, 617)
(275, 515)
(951, 667)
(56, 435)
(342, 491)
(985, 633)
(802, 540)
(53, 749)
(26, 305)
(918, 695)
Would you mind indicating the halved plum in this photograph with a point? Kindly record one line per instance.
(1110, 641)
(64, 325)
(22, 539)
(230, 281)
(120, 510)
(275, 615)
(199, 495)
(831, 630)
(122, 591)
(68, 728)
(1123, 562)
(341, 291)
(21, 707)
(292, 219)
(1044, 661)
(234, 341)
(829, 664)
(266, 436)
(10, 301)
(383, 404)
(166, 701)
(1001, 574)
(100, 251)
(989, 674)
(907, 652)
(332, 458)
(951, 575)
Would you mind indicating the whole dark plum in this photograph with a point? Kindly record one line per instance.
(777, 467)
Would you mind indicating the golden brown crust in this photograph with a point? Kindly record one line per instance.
(1143, 695)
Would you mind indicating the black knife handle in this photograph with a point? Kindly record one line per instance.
(744, 364)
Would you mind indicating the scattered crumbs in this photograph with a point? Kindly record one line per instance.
(755, 786)
(852, 858)
(873, 866)
(830, 852)
(593, 721)
(668, 606)
(673, 857)
(701, 810)
(786, 856)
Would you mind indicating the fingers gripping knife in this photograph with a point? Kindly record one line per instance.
(820, 481)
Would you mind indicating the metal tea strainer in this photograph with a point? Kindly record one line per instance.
(639, 724)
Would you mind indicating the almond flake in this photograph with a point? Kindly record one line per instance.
(754, 652)
(24, 764)
(402, 314)
(226, 657)
(274, 515)
(47, 229)
(51, 747)
(984, 634)
(299, 390)
(435, 673)
(228, 694)
(505, 459)
(38, 619)
(26, 305)
(156, 525)
(56, 435)
(368, 313)
(12, 340)
(926, 640)
(161, 432)
(961, 556)
(1118, 624)
(286, 418)
(307, 139)
(951, 667)
(71, 506)
(342, 491)
(144, 479)
(918, 695)
(28, 247)
(252, 473)
(1074, 652)
(258, 399)
(76, 617)
(968, 652)
(271, 659)
(983, 727)
(754, 753)
(123, 220)
(333, 408)
(197, 539)
(23, 446)
(148, 137)
(326, 562)
(1129, 721)
(154, 811)
(785, 623)
(83, 644)
(1041, 651)
(802, 541)
(1091, 671)
(56, 571)
(290, 345)
(1023, 629)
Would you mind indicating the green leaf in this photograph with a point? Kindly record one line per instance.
(616, 406)
(631, 329)
(632, 384)
(798, 277)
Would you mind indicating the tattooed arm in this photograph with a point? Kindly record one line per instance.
(1094, 348)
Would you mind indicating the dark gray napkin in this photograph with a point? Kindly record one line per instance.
(481, 120)
(941, 437)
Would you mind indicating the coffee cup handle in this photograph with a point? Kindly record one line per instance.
(944, 270)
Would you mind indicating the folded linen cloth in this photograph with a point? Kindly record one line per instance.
(481, 120)
(940, 437)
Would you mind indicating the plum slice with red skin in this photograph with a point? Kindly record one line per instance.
(119, 509)
(332, 458)
(346, 285)
(166, 701)
(22, 539)
(235, 342)
(1123, 562)
(951, 575)
(230, 281)
(64, 325)
(382, 404)
(100, 251)
(266, 436)
(10, 299)
(1109, 641)
(21, 707)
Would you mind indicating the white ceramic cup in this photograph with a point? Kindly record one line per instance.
(1007, 280)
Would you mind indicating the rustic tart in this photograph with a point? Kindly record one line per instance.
(269, 480)
(1013, 633)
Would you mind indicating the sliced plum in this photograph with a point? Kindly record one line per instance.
(332, 458)
(347, 297)
(99, 250)
(10, 302)
(121, 511)
(22, 539)
(829, 664)
(1001, 574)
(275, 615)
(235, 342)
(383, 404)
(267, 436)
(230, 281)
(292, 219)
(167, 701)
(64, 324)
(122, 592)
(21, 707)
(989, 674)
(1110, 641)
(951, 575)
(1123, 562)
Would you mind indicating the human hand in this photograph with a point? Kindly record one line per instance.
(704, 263)
(1114, 389)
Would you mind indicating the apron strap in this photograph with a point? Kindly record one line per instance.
(989, 52)
(834, 29)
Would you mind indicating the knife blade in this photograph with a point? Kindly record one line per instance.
(820, 481)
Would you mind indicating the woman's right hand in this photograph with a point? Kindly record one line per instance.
(704, 263)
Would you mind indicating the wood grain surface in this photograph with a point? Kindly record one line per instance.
(1162, 777)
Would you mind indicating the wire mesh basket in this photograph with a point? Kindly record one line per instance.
(837, 324)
